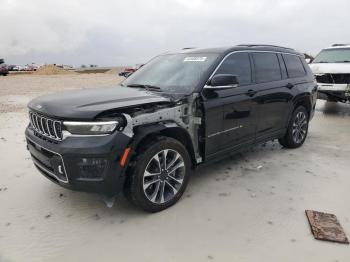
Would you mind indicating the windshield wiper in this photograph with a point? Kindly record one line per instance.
(345, 61)
(321, 62)
(148, 87)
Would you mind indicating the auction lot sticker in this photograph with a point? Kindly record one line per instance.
(195, 59)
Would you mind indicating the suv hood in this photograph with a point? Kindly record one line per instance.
(86, 104)
(330, 68)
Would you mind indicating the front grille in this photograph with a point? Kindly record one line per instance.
(333, 78)
(46, 126)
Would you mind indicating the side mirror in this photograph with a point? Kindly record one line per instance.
(223, 81)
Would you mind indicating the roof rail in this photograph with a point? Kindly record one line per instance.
(255, 45)
(334, 45)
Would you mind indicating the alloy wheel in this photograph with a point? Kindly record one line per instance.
(299, 127)
(163, 176)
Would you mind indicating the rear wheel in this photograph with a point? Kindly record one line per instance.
(160, 175)
(297, 129)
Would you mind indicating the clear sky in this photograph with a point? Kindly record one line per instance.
(119, 32)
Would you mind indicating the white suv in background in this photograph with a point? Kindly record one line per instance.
(332, 70)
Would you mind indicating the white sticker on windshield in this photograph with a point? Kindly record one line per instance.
(195, 59)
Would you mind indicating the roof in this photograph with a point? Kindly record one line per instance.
(245, 47)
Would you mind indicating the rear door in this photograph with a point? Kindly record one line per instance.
(229, 118)
(274, 95)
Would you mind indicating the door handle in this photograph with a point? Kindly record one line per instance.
(290, 85)
(251, 92)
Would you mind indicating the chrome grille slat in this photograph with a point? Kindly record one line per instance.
(37, 122)
(43, 125)
(54, 128)
(33, 120)
(46, 126)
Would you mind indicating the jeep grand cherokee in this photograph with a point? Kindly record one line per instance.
(178, 111)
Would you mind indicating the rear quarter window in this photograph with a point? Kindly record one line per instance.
(294, 66)
(267, 68)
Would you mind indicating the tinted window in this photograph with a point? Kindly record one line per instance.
(267, 67)
(294, 66)
(237, 64)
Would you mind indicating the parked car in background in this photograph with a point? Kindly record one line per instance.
(3, 69)
(332, 70)
(18, 68)
(128, 71)
(10, 67)
(30, 67)
(178, 111)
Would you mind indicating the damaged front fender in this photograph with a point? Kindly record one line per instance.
(180, 121)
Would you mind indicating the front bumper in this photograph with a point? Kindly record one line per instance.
(334, 91)
(88, 163)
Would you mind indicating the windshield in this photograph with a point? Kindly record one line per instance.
(338, 55)
(173, 73)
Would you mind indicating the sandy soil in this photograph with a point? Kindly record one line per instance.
(249, 207)
(17, 90)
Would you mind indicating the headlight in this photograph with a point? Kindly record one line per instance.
(90, 128)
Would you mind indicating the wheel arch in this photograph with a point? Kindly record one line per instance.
(302, 100)
(146, 134)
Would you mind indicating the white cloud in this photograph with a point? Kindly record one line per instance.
(119, 31)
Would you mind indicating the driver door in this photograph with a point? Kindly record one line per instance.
(229, 118)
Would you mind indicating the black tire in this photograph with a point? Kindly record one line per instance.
(297, 129)
(146, 159)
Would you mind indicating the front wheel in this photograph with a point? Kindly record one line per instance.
(160, 175)
(297, 129)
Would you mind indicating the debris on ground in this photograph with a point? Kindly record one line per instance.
(109, 201)
(48, 215)
(326, 227)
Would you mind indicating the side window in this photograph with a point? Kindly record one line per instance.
(237, 64)
(267, 67)
(294, 66)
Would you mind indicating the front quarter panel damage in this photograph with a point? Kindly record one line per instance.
(184, 114)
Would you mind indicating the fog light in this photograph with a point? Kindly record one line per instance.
(92, 168)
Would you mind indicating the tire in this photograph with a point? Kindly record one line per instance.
(297, 129)
(150, 188)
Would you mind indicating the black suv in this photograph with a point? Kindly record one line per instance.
(178, 111)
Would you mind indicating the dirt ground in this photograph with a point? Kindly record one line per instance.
(249, 207)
